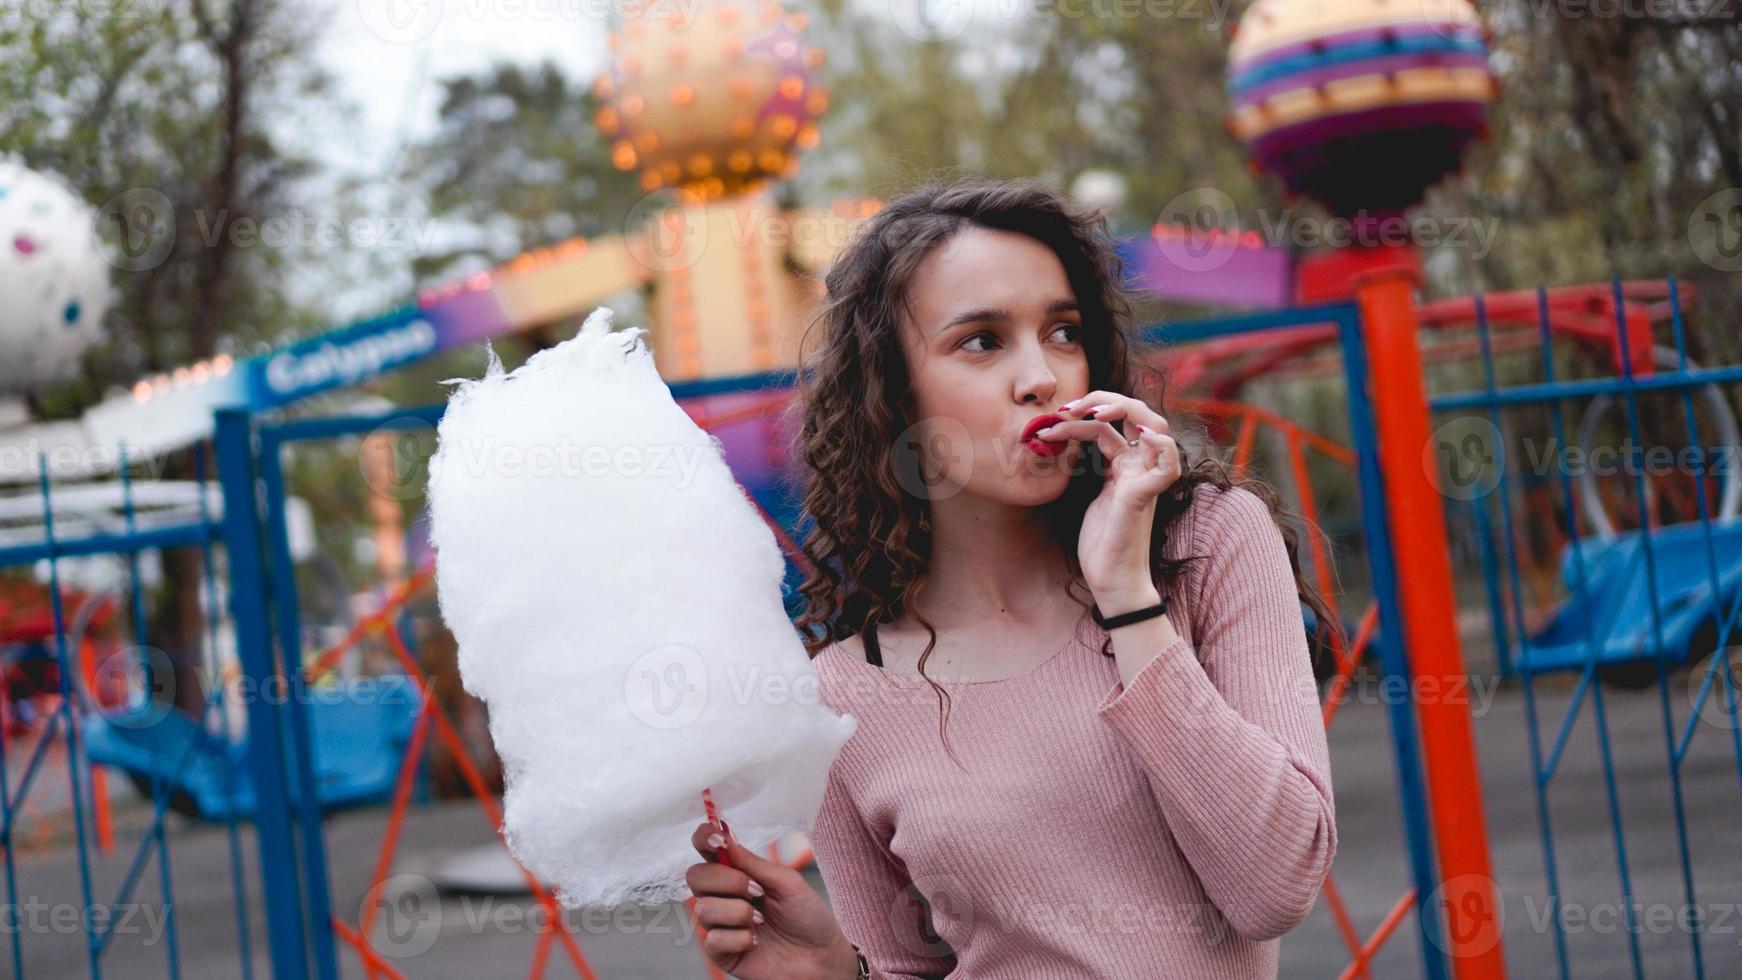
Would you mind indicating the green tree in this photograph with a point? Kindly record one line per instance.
(1613, 136)
(515, 163)
(161, 113)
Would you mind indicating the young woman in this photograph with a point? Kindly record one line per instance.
(1147, 798)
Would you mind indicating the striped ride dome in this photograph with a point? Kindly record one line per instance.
(1359, 104)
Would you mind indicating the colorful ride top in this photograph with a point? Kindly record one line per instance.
(713, 99)
(1361, 105)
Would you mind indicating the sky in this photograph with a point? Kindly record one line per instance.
(387, 59)
(389, 55)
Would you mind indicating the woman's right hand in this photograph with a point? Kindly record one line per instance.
(797, 937)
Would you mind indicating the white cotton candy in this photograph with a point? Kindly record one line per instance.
(617, 602)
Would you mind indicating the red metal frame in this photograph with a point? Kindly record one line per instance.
(1584, 314)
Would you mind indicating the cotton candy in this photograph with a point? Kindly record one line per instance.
(616, 599)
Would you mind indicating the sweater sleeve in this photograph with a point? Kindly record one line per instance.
(1233, 739)
(872, 897)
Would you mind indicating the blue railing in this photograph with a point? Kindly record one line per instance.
(1676, 578)
(79, 718)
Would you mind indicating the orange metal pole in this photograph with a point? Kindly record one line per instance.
(1385, 292)
(371, 959)
(1392, 919)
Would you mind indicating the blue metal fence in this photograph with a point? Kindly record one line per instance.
(290, 928)
(82, 728)
(1640, 605)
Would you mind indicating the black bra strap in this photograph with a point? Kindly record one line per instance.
(873, 652)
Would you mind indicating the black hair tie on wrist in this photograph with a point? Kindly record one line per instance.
(1126, 618)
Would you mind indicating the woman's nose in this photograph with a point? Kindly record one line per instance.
(1035, 378)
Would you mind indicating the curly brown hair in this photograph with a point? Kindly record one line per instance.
(869, 548)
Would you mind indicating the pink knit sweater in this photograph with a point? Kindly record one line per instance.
(1173, 828)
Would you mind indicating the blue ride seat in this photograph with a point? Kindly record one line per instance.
(1614, 607)
(359, 744)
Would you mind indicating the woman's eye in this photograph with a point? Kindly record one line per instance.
(1075, 333)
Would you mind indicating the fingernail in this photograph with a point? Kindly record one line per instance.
(725, 828)
(1067, 406)
(753, 939)
(756, 889)
(1142, 428)
(757, 917)
(715, 841)
(1097, 408)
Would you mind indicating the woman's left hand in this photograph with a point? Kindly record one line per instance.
(1113, 546)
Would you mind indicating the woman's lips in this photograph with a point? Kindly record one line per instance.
(1042, 447)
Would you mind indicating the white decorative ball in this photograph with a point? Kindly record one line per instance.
(53, 275)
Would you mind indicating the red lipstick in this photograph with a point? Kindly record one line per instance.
(1041, 446)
